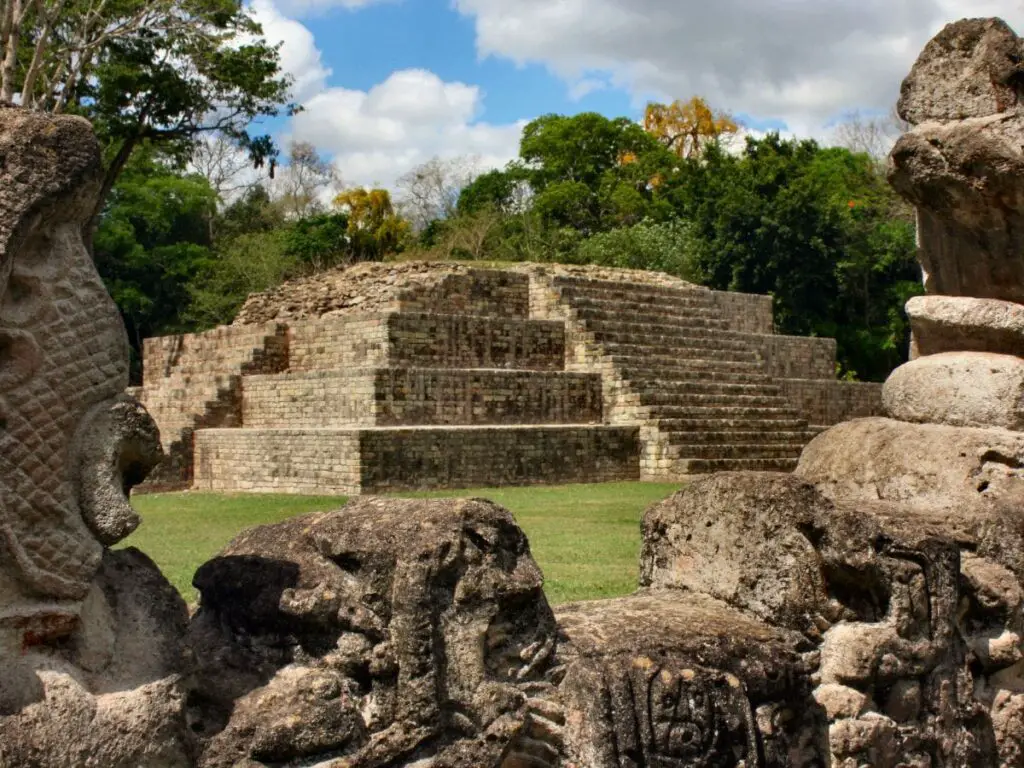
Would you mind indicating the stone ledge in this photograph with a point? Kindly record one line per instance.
(380, 459)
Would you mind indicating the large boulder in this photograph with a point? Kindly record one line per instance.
(387, 632)
(964, 324)
(673, 678)
(972, 68)
(961, 389)
(961, 166)
(875, 595)
(952, 471)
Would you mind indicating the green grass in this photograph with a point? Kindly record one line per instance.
(585, 537)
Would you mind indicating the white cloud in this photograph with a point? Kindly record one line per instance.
(305, 8)
(300, 57)
(802, 61)
(378, 135)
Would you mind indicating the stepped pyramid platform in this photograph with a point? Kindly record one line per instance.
(403, 377)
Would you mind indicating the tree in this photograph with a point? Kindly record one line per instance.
(152, 239)
(301, 184)
(581, 148)
(687, 127)
(815, 229)
(374, 229)
(873, 135)
(249, 263)
(319, 241)
(227, 168)
(431, 191)
(162, 72)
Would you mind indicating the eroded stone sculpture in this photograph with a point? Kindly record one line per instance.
(90, 640)
(390, 632)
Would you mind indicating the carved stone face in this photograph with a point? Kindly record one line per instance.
(69, 443)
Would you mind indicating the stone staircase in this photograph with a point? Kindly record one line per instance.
(699, 387)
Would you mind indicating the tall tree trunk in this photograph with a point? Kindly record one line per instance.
(42, 44)
(15, 15)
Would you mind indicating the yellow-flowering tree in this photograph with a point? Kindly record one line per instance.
(374, 229)
(685, 127)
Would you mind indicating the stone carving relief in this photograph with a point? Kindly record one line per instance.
(71, 445)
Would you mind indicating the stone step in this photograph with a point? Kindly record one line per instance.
(709, 375)
(738, 437)
(651, 303)
(655, 354)
(637, 312)
(661, 399)
(752, 464)
(719, 411)
(636, 366)
(684, 388)
(647, 324)
(598, 307)
(589, 286)
(670, 339)
(387, 459)
(758, 450)
(752, 424)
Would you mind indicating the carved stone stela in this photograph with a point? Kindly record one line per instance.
(865, 610)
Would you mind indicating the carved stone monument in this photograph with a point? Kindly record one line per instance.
(90, 640)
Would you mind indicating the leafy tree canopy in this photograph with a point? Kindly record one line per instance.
(163, 72)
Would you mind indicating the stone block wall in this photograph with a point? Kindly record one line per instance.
(277, 461)
(256, 348)
(310, 400)
(745, 312)
(824, 402)
(465, 341)
(413, 459)
(420, 396)
(487, 292)
(193, 381)
(382, 460)
(339, 343)
(424, 340)
(796, 357)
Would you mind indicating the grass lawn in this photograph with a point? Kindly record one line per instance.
(585, 537)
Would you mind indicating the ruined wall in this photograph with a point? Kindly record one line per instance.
(745, 312)
(825, 402)
(796, 357)
(415, 458)
(411, 396)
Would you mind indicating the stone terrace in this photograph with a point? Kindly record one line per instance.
(444, 376)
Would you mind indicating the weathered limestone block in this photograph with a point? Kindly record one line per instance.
(112, 695)
(961, 166)
(670, 678)
(972, 68)
(964, 324)
(876, 597)
(954, 472)
(384, 633)
(960, 389)
(90, 641)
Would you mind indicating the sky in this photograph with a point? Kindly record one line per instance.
(388, 84)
